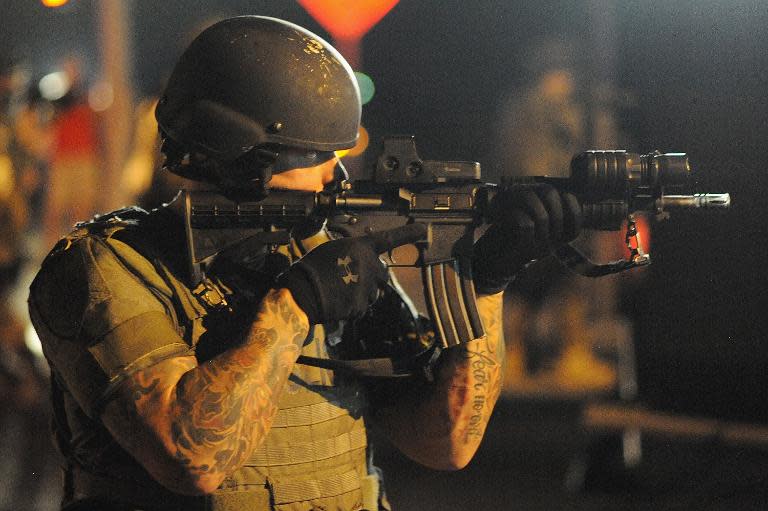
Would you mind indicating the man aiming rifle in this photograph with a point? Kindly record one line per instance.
(180, 389)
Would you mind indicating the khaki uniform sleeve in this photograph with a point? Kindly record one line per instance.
(98, 321)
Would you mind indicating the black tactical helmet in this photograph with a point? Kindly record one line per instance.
(254, 81)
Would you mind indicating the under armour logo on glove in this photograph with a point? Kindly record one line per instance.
(349, 277)
(320, 281)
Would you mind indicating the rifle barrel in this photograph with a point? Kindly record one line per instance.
(699, 200)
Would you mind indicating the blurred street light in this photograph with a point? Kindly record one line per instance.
(367, 88)
(54, 85)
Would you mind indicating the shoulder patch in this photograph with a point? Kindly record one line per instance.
(60, 289)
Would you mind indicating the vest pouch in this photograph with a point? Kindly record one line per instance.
(336, 492)
(257, 499)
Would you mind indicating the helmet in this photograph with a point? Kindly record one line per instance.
(254, 81)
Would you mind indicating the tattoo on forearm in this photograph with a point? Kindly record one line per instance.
(451, 415)
(138, 390)
(223, 408)
(484, 367)
(481, 367)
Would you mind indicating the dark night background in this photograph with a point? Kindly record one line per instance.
(692, 75)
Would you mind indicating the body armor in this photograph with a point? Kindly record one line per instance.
(315, 455)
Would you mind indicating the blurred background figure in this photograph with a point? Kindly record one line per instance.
(28, 475)
(571, 346)
(13, 209)
(31, 116)
(543, 125)
(142, 167)
(71, 191)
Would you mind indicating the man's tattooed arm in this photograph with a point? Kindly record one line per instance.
(441, 425)
(191, 425)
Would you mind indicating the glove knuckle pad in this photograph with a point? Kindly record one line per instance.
(572, 217)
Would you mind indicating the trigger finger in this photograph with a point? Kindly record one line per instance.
(381, 279)
(374, 295)
(380, 272)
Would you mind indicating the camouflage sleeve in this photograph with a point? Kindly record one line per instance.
(98, 320)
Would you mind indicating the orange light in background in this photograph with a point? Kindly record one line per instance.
(360, 146)
(54, 3)
(347, 19)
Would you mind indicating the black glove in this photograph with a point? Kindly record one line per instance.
(340, 279)
(527, 223)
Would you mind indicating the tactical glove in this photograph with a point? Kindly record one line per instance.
(340, 279)
(527, 223)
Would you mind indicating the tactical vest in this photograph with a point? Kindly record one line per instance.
(315, 455)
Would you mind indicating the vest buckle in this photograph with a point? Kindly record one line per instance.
(211, 296)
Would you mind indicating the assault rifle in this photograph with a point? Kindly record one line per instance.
(453, 203)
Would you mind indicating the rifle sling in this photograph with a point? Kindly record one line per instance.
(419, 365)
(578, 262)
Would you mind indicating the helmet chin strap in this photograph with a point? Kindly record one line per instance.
(340, 172)
(340, 176)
